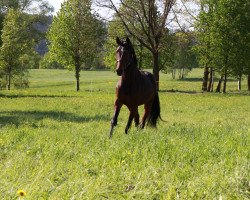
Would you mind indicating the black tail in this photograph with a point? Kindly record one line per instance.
(155, 112)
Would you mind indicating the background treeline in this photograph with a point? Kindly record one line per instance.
(77, 38)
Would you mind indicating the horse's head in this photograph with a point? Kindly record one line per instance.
(125, 56)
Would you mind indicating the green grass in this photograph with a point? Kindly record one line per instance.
(54, 141)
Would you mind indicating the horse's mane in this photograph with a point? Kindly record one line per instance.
(133, 55)
(127, 43)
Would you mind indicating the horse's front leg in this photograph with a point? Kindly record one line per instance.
(118, 106)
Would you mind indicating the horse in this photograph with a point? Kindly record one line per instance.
(134, 88)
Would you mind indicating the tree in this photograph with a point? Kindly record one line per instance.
(15, 44)
(25, 5)
(146, 22)
(203, 29)
(224, 38)
(34, 9)
(74, 36)
(116, 29)
(30, 60)
(237, 14)
(46, 63)
(182, 56)
(231, 38)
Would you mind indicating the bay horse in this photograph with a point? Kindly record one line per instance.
(134, 88)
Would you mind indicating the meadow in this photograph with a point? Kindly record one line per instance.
(54, 141)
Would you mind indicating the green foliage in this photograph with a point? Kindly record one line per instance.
(54, 142)
(184, 56)
(178, 53)
(116, 29)
(16, 44)
(31, 60)
(35, 11)
(223, 36)
(46, 63)
(74, 33)
(175, 52)
(144, 56)
(75, 37)
(40, 6)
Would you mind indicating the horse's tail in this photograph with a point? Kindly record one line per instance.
(155, 112)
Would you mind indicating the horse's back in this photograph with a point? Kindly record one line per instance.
(149, 76)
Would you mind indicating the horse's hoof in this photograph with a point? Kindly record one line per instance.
(141, 126)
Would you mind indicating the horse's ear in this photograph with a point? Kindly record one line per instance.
(118, 41)
(128, 41)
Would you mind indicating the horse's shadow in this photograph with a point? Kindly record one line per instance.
(32, 117)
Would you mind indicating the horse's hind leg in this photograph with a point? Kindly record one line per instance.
(118, 106)
(147, 110)
(133, 115)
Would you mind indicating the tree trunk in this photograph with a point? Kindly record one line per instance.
(225, 82)
(211, 80)
(205, 79)
(248, 82)
(77, 75)
(173, 73)
(239, 82)
(156, 68)
(182, 73)
(219, 84)
(8, 82)
(77, 70)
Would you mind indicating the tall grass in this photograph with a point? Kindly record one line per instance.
(54, 142)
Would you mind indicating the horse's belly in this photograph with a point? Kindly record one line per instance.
(136, 100)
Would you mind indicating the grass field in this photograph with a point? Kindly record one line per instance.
(54, 141)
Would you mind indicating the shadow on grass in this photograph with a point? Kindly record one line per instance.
(180, 91)
(13, 96)
(229, 93)
(52, 85)
(32, 117)
(191, 79)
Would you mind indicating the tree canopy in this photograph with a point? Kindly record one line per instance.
(146, 22)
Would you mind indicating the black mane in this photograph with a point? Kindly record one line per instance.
(131, 50)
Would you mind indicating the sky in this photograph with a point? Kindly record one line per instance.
(102, 12)
(56, 4)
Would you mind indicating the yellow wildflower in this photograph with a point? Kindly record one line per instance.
(21, 193)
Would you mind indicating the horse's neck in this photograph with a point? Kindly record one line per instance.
(131, 77)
